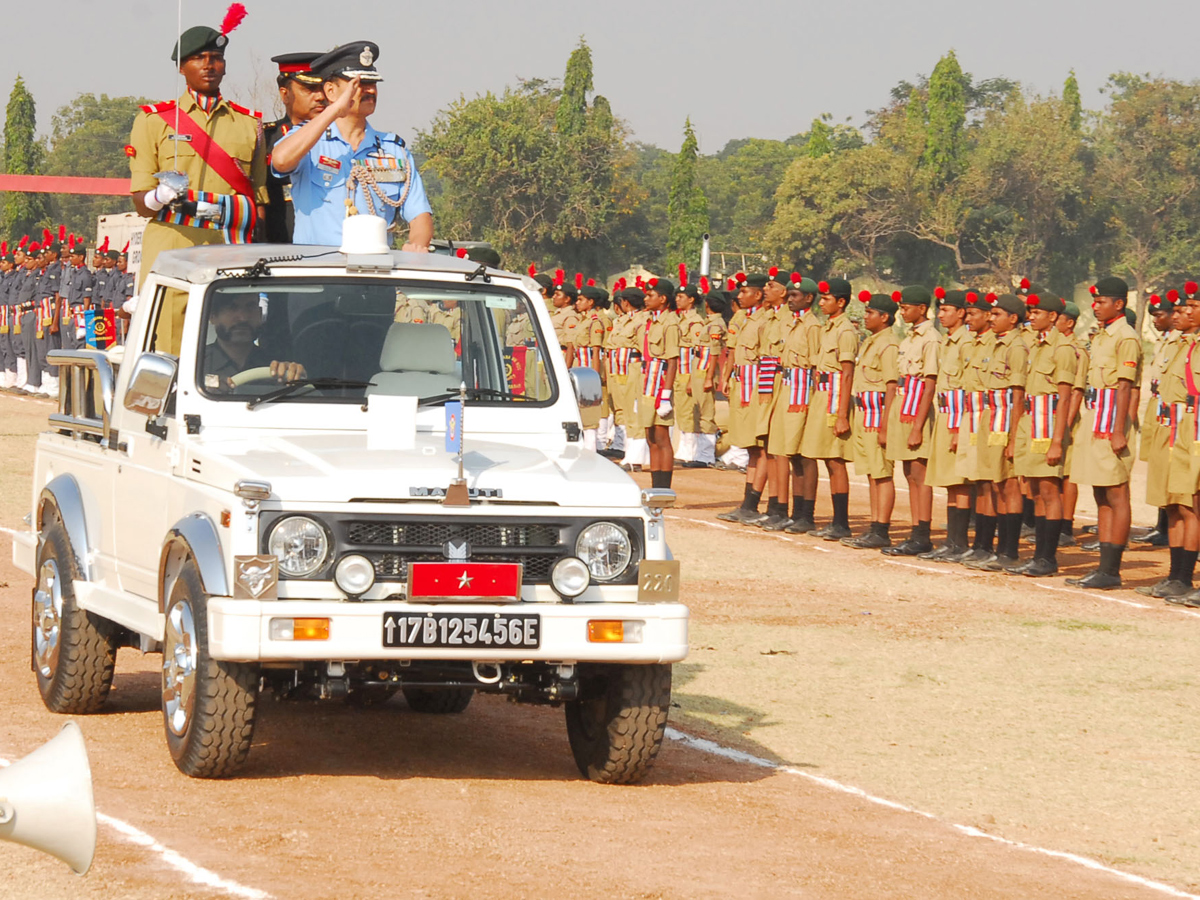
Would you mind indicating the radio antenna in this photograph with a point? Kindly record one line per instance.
(178, 74)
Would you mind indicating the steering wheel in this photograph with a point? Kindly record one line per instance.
(250, 376)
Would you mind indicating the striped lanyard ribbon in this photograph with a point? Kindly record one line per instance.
(799, 381)
(871, 404)
(914, 388)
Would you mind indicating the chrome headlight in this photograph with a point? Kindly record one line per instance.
(301, 545)
(569, 577)
(607, 550)
(354, 574)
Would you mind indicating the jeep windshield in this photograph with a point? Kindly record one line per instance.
(339, 340)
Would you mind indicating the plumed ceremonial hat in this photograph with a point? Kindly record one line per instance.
(838, 287)
(1047, 302)
(1010, 303)
(881, 302)
(1111, 286)
(200, 38)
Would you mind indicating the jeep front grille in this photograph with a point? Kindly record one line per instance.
(434, 534)
(394, 566)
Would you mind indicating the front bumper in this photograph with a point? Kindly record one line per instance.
(239, 630)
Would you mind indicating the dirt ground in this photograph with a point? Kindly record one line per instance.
(1033, 712)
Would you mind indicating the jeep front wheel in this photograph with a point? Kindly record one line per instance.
(74, 651)
(616, 726)
(208, 705)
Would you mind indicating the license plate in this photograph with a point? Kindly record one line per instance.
(442, 630)
(658, 581)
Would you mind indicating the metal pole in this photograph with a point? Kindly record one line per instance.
(705, 256)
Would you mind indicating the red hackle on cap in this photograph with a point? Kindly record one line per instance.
(773, 272)
(1191, 287)
(823, 287)
(740, 277)
(233, 17)
(559, 275)
(3, 248)
(1024, 284)
(578, 280)
(730, 284)
(1173, 295)
(939, 292)
(972, 296)
(1092, 290)
(1155, 300)
(591, 282)
(1033, 300)
(461, 252)
(62, 233)
(638, 282)
(125, 249)
(704, 285)
(682, 275)
(897, 296)
(104, 246)
(24, 242)
(864, 296)
(990, 298)
(532, 270)
(797, 278)
(35, 247)
(653, 282)
(46, 236)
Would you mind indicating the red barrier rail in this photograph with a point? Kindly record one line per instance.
(64, 184)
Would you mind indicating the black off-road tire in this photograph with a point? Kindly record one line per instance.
(617, 725)
(438, 701)
(216, 739)
(80, 679)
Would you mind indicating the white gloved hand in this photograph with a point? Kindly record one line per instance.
(663, 407)
(160, 196)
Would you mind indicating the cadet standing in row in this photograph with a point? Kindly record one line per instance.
(660, 361)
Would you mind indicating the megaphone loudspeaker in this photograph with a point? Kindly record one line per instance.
(46, 801)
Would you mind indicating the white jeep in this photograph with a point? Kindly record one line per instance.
(332, 474)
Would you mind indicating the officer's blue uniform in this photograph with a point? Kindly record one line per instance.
(319, 184)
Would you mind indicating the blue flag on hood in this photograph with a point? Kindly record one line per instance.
(454, 415)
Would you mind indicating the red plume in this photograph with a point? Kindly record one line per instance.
(773, 272)
(104, 246)
(972, 296)
(125, 249)
(47, 237)
(1092, 290)
(3, 248)
(939, 292)
(1190, 288)
(682, 275)
(823, 287)
(1155, 300)
(990, 298)
(897, 296)
(559, 275)
(796, 278)
(233, 17)
(532, 270)
(730, 284)
(34, 247)
(461, 252)
(1033, 300)
(24, 242)
(1173, 295)
(653, 282)
(62, 233)
(591, 282)
(740, 277)
(704, 285)
(864, 296)
(578, 280)
(638, 282)
(1024, 284)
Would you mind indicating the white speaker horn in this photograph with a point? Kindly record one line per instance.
(46, 801)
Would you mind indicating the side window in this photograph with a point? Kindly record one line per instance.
(165, 334)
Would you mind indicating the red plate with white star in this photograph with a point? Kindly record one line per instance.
(491, 582)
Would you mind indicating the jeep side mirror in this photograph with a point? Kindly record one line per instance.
(150, 384)
(588, 390)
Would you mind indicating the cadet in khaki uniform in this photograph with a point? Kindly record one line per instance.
(1066, 327)
(1002, 376)
(973, 438)
(603, 309)
(566, 321)
(589, 353)
(660, 362)
(1042, 430)
(1150, 434)
(800, 332)
(705, 376)
(1169, 402)
(876, 375)
(910, 431)
(827, 430)
(229, 177)
(744, 398)
(637, 451)
(1103, 457)
(770, 379)
(950, 397)
(692, 336)
(447, 314)
(1185, 454)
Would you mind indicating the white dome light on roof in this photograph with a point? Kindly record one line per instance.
(364, 236)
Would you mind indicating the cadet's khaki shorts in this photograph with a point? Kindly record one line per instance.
(1030, 461)
(898, 448)
(1094, 462)
(787, 428)
(979, 458)
(870, 458)
(943, 462)
(819, 441)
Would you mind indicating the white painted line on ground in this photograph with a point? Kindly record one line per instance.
(941, 570)
(715, 749)
(174, 859)
(1079, 593)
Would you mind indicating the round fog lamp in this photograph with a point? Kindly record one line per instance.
(354, 574)
(569, 577)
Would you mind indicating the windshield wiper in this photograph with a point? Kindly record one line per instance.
(474, 393)
(292, 386)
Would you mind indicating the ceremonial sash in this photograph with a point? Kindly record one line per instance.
(767, 367)
(685, 360)
(3, 318)
(1104, 402)
(747, 376)
(975, 407)
(705, 358)
(46, 310)
(799, 382)
(587, 357)
(952, 404)
(871, 404)
(207, 149)
(652, 377)
(1169, 416)
(1000, 400)
(831, 382)
(618, 361)
(914, 387)
(1042, 409)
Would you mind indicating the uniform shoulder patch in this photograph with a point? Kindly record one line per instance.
(130, 151)
(153, 108)
(394, 138)
(244, 110)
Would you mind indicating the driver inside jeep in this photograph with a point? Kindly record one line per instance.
(236, 321)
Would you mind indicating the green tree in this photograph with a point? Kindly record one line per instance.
(819, 143)
(572, 113)
(22, 213)
(1073, 102)
(87, 138)
(740, 186)
(687, 208)
(946, 144)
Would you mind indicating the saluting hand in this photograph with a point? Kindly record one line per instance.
(347, 98)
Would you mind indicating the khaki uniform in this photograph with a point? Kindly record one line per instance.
(877, 367)
(691, 337)
(709, 357)
(770, 346)
(837, 343)
(152, 148)
(1168, 403)
(1185, 453)
(625, 387)
(1052, 362)
(976, 427)
(1082, 364)
(411, 309)
(953, 353)
(744, 398)
(1116, 356)
(800, 339)
(918, 360)
(451, 319)
(661, 345)
(1164, 349)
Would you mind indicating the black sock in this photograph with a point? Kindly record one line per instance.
(1037, 523)
(1001, 535)
(1162, 526)
(777, 508)
(1173, 575)
(1053, 528)
(750, 501)
(1187, 566)
(1110, 558)
(797, 507)
(956, 527)
(920, 531)
(1027, 514)
(1069, 526)
(660, 479)
(810, 508)
(883, 529)
(1012, 548)
(985, 531)
(841, 510)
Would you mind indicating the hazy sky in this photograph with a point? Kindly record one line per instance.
(745, 68)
